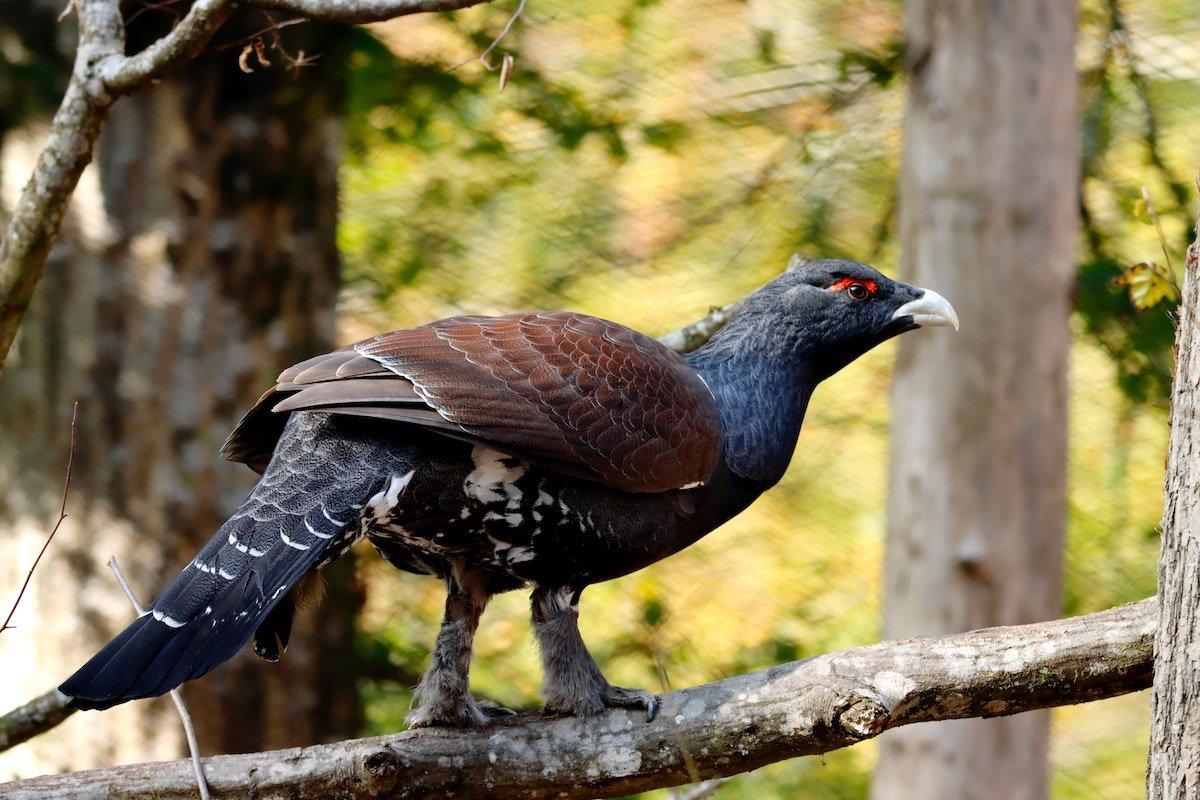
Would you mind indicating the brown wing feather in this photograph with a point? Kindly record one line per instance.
(351, 392)
(585, 396)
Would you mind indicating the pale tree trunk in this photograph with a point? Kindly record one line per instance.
(199, 258)
(977, 493)
(1174, 772)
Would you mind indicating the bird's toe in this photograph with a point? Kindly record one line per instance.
(494, 710)
(620, 697)
(462, 712)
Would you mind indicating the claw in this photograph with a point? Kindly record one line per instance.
(618, 697)
(494, 710)
(462, 712)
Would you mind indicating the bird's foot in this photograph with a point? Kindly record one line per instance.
(605, 696)
(456, 712)
(620, 697)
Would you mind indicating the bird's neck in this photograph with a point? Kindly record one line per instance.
(762, 385)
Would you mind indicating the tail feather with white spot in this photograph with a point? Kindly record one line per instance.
(304, 512)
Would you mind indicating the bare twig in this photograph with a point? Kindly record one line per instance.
(62, 515)
(731, 726)
(508, 26)
(161, 5)
(273, 27)
(176, 697)
(701, 791)
(1162, 237)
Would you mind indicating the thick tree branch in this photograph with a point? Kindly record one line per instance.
(45, 712)
(185, 40)
(35, 220)
(101, 73)
(722, 728)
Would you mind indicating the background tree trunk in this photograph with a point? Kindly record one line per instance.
(1174, 771)
(978, 465)
(199, 259)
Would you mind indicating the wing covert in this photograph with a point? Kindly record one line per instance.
(583, 395)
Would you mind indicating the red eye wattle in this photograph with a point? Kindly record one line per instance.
(857, 289)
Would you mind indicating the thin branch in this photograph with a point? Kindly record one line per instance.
(701, 791)
(508, 26)
(483, 57)
(62, 515)
(361, 11)
(176, 697)
(1162, 237)
(731, 726)
(33, 718)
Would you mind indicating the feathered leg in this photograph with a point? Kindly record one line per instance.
(442, 695)
(572, 681)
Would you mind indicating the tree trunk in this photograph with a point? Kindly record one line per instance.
(977, 493)
(1174, 771)
(199, 259)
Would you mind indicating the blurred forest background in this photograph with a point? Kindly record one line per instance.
(648, 159)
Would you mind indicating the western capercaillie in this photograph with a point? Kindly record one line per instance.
(543, 450)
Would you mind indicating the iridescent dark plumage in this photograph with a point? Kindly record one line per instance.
(543, 450)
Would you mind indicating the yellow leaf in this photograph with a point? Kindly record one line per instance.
(1148, 284)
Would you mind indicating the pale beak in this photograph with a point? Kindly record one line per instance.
(930, 310)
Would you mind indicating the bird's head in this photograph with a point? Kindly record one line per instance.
(829, 312)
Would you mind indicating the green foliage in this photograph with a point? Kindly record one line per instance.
(1119, 166)
(649, 160)
(1138, 342)
(1149, 284)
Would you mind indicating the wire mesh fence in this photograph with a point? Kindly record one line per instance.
(647, 160)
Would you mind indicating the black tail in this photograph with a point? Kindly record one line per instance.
(299, 516)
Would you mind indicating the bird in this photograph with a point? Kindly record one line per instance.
(545, 451)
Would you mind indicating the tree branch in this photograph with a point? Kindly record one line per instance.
(62, 517)
(723, 728)
(361, 11)
(43, 713)
(100, 74)
(34, 718)
(696, 335)
(36, 218)
(185, 40)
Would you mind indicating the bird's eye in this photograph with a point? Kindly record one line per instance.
(858, 289)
